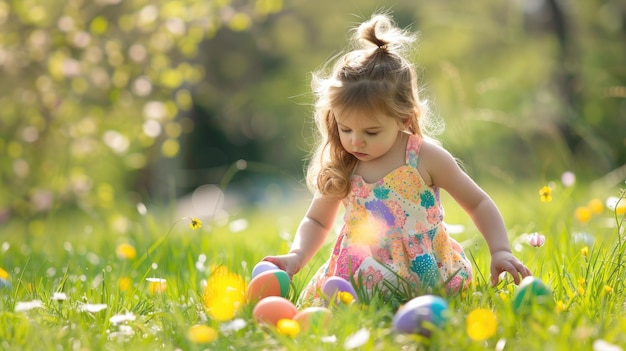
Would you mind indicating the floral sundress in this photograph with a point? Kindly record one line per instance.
(394, 231)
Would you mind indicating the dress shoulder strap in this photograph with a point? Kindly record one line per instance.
(413, 147)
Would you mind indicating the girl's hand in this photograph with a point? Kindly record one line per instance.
(290, 263)
(504, 261)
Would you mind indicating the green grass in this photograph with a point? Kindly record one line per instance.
(75, 253)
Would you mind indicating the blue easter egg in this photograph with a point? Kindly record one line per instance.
(417, 315)
(263, 266)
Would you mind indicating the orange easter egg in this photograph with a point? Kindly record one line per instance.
(269, 283)
(312, 316)
(272, 309)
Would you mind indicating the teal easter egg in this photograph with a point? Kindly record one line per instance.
(532, 292)
(269, 283)
(420, 314)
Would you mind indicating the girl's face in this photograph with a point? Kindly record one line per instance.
(366, 135)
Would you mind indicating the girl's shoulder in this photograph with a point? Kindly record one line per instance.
(433, 159)
(424, 146)
(431, 146)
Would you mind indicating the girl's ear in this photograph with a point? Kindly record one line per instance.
(405, 124)
(409, 125)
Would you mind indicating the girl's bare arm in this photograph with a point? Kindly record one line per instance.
(310, 235)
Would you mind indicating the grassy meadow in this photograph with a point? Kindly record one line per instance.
(133, 276)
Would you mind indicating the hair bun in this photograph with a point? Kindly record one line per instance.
(381, 33)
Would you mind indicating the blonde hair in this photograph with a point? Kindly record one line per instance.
(373, 77)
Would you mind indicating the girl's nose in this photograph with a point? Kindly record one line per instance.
(358, 141)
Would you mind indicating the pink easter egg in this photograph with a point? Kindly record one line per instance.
(312, 317)
(272, 309)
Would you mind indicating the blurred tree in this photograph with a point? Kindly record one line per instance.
(529, 88)
(567, 24)
(95, 90)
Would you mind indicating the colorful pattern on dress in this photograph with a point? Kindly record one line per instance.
(394, 231)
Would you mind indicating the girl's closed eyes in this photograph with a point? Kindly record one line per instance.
(347, 131)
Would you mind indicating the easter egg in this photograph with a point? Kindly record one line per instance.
(312, 316)
(532, 291)
(415, 316)
(269, 283)
(263, 266)
(272, 309)
(334, 285)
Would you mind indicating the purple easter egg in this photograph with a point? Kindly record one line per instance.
(263, 266)
(333, 285)
(415, 316)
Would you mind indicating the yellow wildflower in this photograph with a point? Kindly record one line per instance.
(580, 290)
(4, 274)
(585, 251)
(195, 223)
(224, 294)
(583, 214)
(345, 297)
(288, 327)
(124, 283)
(201, 334)
(481, 324)
(156, 285)
(595, 206)
(581, 281)
(620, 208)
(608, 289)
(560, 306)
(545, 194)
(125, 251)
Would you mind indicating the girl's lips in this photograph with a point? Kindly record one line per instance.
(359, 154)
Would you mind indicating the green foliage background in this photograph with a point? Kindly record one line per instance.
(108, 100)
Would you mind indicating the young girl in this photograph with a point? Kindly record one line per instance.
(374, 158)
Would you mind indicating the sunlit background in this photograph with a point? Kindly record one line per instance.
(111, 101)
